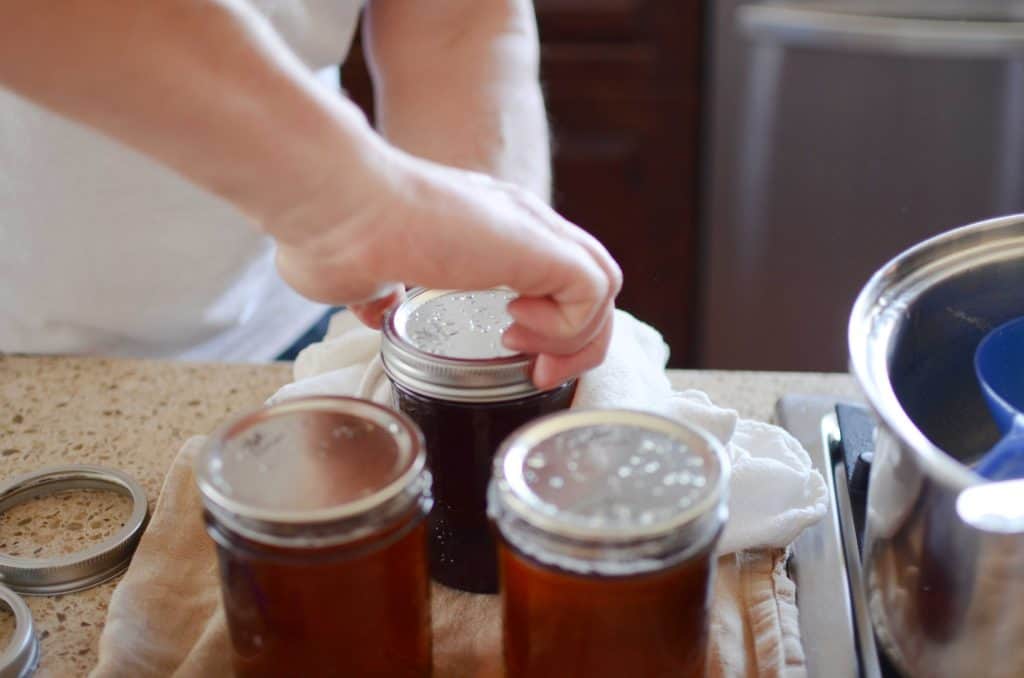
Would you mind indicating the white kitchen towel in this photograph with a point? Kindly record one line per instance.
(774, 493)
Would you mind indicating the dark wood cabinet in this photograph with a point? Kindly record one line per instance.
(621, 81)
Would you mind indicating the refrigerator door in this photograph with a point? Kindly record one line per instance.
(840, 134)
(944, 28)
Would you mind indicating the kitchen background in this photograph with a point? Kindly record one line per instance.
(750, 164)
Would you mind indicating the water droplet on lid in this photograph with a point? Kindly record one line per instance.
(635, 460)
(536, 461)
(556, 482)
(699, 481)
(462, 325)
(652, 467)
(625, 472)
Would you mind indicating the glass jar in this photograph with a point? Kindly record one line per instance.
(450, 373)
(317, 507)
(608, 522)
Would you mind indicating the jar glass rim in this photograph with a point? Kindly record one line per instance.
(511, 495)
(459, 379)
(410, 441)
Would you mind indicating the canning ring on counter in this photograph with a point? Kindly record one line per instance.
(82, 569)
(21, 656)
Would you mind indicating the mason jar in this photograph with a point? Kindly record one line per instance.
(317, 507)
(608, 524)
(450, 373)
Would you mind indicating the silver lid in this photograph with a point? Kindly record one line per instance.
(82, 569)
(311, 470)
(594, 480)
(447, 344)
(21, 656)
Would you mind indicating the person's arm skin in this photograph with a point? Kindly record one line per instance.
(208, 88)
(456, 81)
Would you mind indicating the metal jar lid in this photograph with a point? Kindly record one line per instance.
(82, 569)
(446, 344)
(612, 491)
(313, 471)
(21, 655)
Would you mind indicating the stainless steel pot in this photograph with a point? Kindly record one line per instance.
(944, 571)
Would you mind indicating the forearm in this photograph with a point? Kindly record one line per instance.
(205, 86)
(457, 82)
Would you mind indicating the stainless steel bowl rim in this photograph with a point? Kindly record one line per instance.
(90, 566)
(873, 321)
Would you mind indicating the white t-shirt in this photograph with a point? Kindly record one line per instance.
(104, 251)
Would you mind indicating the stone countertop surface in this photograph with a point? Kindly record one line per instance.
(135, 414)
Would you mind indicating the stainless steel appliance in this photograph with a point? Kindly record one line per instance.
(840, 133)
(835, 623)
(943, 551)
(818, 564)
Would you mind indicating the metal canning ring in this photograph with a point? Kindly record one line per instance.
(21, 656)
(82, 569)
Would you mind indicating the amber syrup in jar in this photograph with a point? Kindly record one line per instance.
(608, 521)
(450, 373)
(317, 507)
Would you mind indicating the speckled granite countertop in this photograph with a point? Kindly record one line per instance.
(134, 415)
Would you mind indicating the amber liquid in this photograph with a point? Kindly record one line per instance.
(461, 441)
(360, 609)
(559, 623)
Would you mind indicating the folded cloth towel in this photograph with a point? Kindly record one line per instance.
(774, 493)
(166, 617)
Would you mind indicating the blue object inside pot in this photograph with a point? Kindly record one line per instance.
(999, 366)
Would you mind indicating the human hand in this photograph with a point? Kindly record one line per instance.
(441, 227)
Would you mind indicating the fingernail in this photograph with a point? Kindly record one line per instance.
(541, 379)
(512, 342)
